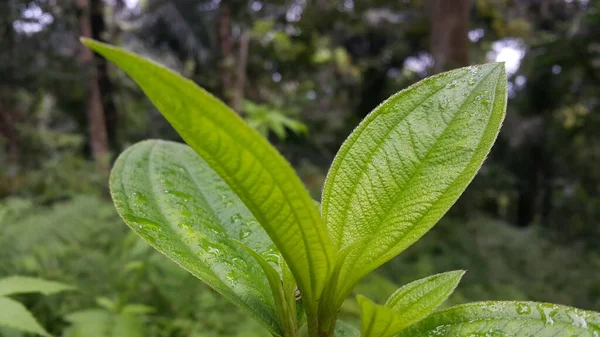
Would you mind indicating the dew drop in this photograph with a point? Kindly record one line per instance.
(578, 321)
(444, 103)
(452, 84)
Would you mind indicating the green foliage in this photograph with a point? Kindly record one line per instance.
(15, 315)
(111, 321)
(407, 163)
(164, 192)
(22, 284)
(407, 305)
(510, 319)
(264, 119)
(81, 242)
(240, 157)
(393, 179)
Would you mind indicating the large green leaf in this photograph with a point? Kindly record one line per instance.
(15, 316)
(260, 176)
(508, 319)
(407, 163)
(407, 305)
(173, 199)
(23, 284)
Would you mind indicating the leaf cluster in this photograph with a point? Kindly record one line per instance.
(229, 209)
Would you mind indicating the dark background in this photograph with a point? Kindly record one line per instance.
(304, 73)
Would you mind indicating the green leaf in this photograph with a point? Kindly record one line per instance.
(407, 305)
(101, 323)
(417, 299)
(407, 163)
(173, 199)
(90, 323)
(15, 316)
(287, 315)
(377, 320)
(23, 284)
(508, 319)
(259, 175)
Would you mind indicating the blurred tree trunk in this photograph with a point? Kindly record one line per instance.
(95, 108)
(9, 117)
(225, 45)
(449, 43)
(99, 31)
(232, 67)
(242, 62)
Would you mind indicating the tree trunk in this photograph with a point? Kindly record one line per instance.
(225, 45)
(242, 62)
(105, 85)
(449, 42)
(95, 108)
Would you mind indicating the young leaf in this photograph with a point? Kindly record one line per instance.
(407, 163)
(173, 199)
(287, 314)
(377, 320)
(407, 305)
(259, 175)
(417, 299)
(23, 284)
(508, 319)
(15, 316)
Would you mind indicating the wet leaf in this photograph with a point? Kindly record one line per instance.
(263, 180)
(172, 198)
(407, 163)
(507, 319)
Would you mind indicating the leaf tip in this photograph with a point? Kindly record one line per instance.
(86, 41)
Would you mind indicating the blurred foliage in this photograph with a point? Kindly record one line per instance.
(528, 227)
(123, 283)
(265, 119)
(126, 288)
